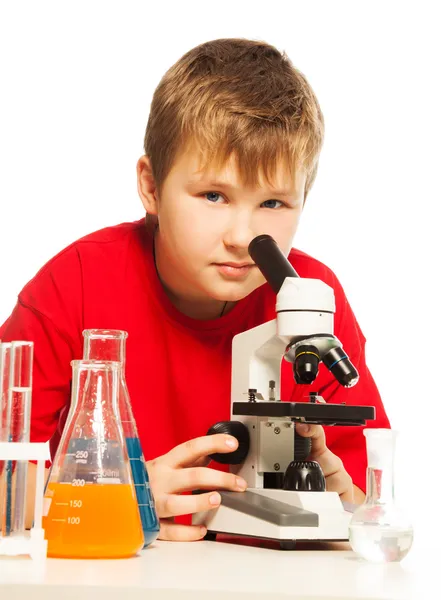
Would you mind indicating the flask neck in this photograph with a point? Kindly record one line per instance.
(380, 485)
(105, 345)
(380, 445)
(95, 388)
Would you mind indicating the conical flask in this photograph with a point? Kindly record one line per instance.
(379, 530)
(90, 506)
(106, 344)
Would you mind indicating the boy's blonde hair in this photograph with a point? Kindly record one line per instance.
(241, 97)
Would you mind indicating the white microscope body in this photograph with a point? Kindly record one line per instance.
(305, 312)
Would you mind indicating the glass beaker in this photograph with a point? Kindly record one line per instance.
(110, 344)
(379, 531)
(90, 502)
(16, 360)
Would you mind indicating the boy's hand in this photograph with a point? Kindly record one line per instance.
(184, 469)
(337, 478)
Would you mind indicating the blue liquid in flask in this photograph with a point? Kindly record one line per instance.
(149, 519)
(144, 496)
(107, 344)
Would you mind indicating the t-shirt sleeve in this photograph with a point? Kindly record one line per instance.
(347, 442)
(48, 314)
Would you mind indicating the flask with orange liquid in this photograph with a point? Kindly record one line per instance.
(90, 505)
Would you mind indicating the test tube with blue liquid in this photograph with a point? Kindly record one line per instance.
(104, 344)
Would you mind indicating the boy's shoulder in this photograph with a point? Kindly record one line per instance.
(308, 266)
(115, 235)
(104, 244)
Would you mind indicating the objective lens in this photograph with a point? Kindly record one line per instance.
(341, 367)
(306, 364)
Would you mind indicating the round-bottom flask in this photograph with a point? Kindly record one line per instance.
(379, 530)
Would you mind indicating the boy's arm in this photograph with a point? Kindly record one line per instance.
(346, 442)
(359, 495)
(349, 443)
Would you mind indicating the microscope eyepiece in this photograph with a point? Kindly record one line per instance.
(341, 367)
(306, 364)
(271, 261)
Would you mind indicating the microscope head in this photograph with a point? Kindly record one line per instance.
(305, 316)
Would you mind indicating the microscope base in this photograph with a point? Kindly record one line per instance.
(278, 515)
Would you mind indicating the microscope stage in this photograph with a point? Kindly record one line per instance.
(307, 412)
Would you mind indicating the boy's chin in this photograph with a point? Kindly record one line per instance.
(234, 293)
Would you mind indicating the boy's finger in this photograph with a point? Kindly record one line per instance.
(188, 453)
(329, 462)
(176, 532)
(317, 435)
(202, 462)
(200, 478)
(175, 505)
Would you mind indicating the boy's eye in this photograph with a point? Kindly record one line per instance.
(271, 203)
(216, 198)
(212, 197)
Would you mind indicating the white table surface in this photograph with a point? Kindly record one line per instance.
(215, 570)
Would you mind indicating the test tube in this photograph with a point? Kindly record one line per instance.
(5, 356)
(5, 352)
(18, 413)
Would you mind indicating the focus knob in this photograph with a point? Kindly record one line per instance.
(302, 447)
(304, 476)
(238, 430)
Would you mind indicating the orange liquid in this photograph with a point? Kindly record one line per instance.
(93, 521)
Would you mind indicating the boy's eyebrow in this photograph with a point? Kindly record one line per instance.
(218, 183)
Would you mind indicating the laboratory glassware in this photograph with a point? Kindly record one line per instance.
(16, 359)
(110, 344)
(379, 531)
(91, 509)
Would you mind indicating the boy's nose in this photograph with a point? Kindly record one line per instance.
(239, 233)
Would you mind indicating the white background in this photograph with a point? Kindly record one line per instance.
(76, 82)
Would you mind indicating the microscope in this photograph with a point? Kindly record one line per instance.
(286, 499)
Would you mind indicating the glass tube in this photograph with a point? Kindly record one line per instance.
(17, 359)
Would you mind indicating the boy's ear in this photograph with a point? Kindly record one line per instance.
(146, 185)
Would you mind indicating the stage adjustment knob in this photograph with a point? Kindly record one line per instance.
(238, 430)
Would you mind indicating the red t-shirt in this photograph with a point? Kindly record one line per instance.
(178, 369)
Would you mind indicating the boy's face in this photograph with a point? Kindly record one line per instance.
(206, 222)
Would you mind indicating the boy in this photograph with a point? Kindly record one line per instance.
(231, 151)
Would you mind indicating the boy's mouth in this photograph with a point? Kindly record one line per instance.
(237, 265)
(233, 270)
